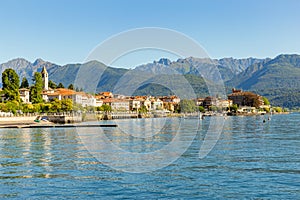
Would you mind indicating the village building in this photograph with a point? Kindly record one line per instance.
(241, 98)
(170, 103)
(105, 95)
(24, 95)
(117, 104)
(224, 103)
(99, 102)
(147, 103)
(157, 104)
(50, 94)
(213, 101)
(119, 96)
(171, 99)
(170, 106)
(134, 104)
(199, 101)
(209, 101)
(246, 109)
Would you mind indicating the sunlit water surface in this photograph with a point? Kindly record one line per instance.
(251, 160)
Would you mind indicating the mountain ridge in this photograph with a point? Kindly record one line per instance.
(275, 78)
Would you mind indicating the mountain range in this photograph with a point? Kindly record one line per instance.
(277, 78)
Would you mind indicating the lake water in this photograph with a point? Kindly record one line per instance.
(251, 160)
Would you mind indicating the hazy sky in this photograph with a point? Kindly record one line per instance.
(66, 31)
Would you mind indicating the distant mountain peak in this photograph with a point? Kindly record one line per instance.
(163, 61)
(18, 60)
(287, 59)
(38, 61)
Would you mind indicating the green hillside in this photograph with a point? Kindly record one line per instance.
(277, 79)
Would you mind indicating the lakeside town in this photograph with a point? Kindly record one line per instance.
(47, 98)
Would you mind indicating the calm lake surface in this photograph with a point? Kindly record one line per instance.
(251, 160)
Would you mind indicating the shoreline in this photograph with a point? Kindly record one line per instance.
(29, 121)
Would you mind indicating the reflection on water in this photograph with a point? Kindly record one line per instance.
(252, 160)
(133, 152)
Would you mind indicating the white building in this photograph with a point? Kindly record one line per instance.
(24, 95)
(157, 104)
(117, 104)
(134, 104)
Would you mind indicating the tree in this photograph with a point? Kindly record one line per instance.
(11, 106)
(234, 108)
(24, 83)
(201, 109)
(143, 109)
(105, 108)
(266, 109)
(60, 85)
(67, 105)
(10, 82)
(56, 105)
(71, 87)
(46, 107)
(187, 106)
(52, 84)
(277, 109)
(266, 101)
(37, 89)
(214, 108)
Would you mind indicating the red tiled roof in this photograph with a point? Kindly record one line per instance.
(110, 100)
(64, 92)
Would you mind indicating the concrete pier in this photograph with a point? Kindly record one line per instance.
(59, 126)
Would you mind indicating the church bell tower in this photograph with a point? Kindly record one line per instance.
(45, 78)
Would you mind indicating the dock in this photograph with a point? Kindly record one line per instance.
(59, 126)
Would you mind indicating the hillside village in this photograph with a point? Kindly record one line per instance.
(238, 100)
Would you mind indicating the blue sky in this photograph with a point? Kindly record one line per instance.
(65, 31)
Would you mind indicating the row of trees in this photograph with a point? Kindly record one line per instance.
(55, 106)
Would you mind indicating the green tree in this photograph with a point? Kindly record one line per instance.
(234, 108)
(37, 89)
(143, 109)
(266, 101)
(187, 106)
(214, 108)
(266, 109)
(12, 106)
(3, 107)
(60, 85)
(105, 108)
(67, 105)
(27, 108)
(277, 109)
(24, 83)
(10, 82)
(71, 87)
(52, 84)
(201, 109)
(45, 107)
(56, 105)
